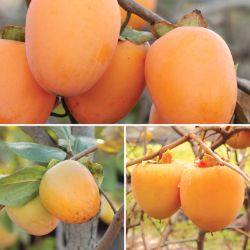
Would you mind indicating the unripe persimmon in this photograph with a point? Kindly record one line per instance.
(155, 188)
(69, 191)
(22, 99)
(33, 218)
(117, 91)
(211, 196)
(155, 117)
(191, 76)
(70, 43)
(135, 21)
(240, 140)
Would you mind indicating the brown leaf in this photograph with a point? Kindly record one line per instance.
(195, 18)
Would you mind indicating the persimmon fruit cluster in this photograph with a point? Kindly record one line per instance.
(210, 194)
(74, 202)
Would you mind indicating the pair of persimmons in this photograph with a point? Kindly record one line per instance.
(210, 194)
(72, 50)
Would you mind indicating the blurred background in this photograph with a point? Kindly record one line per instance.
(229, 18)
(110, 156)
(142, 141)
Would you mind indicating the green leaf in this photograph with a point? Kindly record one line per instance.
(6, 222)
(137, 37)
(82, 143)
(62, 132)
(19, 188)
(161, 28)
(37, 152)
(15, 33)
(96, 170)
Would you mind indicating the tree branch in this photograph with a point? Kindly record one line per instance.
(84, 153)
(135, 8)
(112, 232)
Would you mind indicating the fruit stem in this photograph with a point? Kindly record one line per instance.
(108, 200)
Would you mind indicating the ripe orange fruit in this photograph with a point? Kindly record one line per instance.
(22, 100)
(135, 21)
(155, 188)
(69, 192)
(70, 43)
(195, 81)
(240, 140)
(118, 90)
(211, 196)
(33, 218)
(155, 117)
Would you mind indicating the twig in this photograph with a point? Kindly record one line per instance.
(143, 232)
(108, 200)
(162, 150)
(84, 153)
(112, 231)
(133, 7)
(174, 242)
(244, 85)
(200, 240)
(126, 21)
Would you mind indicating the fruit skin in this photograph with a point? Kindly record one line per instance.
(240, 140)
(195, 81)
(155, 188)
(69, 192)
(33, 218)
(118, 90)
(70, 43)
(135, 21)
(22, 99)
(211, 197)
(155, 117)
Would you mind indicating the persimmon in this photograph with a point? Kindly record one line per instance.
(7, 238)
(155, 187)
(211, 196)
(117, 91)
(33, 218)
(22, 99)
(240, 140)
(155, 117)
(70, 43)
(135, 21)
(69, 192)
(195, 81)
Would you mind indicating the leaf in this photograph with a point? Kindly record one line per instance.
(52, 163)
(195, 18)
(6, 222)
(137, 37)
(240, 116)
(161, 28)
(109, 146)
(96, 170)
(15, 33)
(62, 132)
(82, 143)
(37, 152)
(19, 188)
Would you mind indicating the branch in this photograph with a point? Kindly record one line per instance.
(108, 200)
(244, 85)
(135, 8)
(200, 241)
(112, 232)
(162, 150)
(38, 135)
(84, 153)
(175, 242)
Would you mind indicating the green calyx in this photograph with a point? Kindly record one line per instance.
(15, 33)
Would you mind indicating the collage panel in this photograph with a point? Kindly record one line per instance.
(124, 62)
(61, 188)
(187, 187)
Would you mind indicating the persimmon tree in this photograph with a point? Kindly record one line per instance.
(50, 146)
(211, 152)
